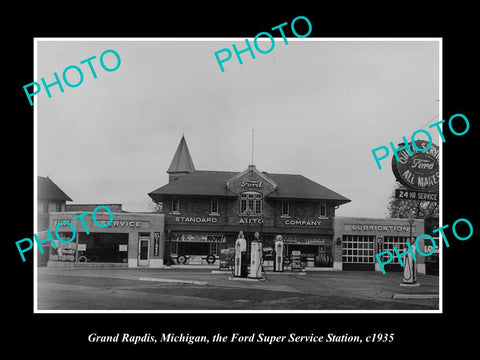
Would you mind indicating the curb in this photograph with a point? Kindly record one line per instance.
(243, 279)
(286, 273)
(415, 296)
(320, 269)
(267, 272)
(174, 281)
(196, 267)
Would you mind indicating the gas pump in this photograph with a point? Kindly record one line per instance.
(409, 269)
(278, 264)
(240, 267)
(256, 258)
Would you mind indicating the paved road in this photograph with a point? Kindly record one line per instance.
(136, 289)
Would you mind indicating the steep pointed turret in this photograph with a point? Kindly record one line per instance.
(182, 163)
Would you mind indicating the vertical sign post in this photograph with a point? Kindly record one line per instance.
(156, 243)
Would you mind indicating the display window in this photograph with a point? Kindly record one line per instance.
(312, 255)
(103, 247)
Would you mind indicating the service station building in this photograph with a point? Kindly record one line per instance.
(132, 239)
(203, 213)
(206, 210)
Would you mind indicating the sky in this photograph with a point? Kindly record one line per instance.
(317, 106)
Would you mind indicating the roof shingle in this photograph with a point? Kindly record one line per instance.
(182, 160)
(213, 183)
(48, 190)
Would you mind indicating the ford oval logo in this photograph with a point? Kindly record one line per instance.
(422, 164)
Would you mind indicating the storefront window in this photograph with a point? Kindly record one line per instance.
(173, 247)
(193, 248)
(214, 248)
(312, 255)
(103, 247)
(251, 201)
(65, 250)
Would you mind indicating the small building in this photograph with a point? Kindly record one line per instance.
(50, 198)
(359, 240)
(126, 240)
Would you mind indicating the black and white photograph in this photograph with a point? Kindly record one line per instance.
(255, 188)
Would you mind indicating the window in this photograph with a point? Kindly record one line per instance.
(258, 206)
(285, 208)
(213, 249)
(251, 201)
(214, 206)
(323, 210)
(173, 247)
(59, 207)
(175, 205)
(52, 207)
(243, 206)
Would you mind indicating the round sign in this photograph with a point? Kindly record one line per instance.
(419, 171)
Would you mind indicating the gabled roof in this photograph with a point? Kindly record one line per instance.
(253, 169)
(299, 187)
(182, 160)
(48, 190)
(213, 183)
(208, 183)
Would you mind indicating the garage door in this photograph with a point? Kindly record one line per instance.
(358, 252)
(389, 242)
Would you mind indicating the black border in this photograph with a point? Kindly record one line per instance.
(417, 333)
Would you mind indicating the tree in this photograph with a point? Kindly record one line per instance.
(416, 209)
(155, 206)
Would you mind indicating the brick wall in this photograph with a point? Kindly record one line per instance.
(229, 209)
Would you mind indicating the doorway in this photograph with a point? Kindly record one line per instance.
(143, 249)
